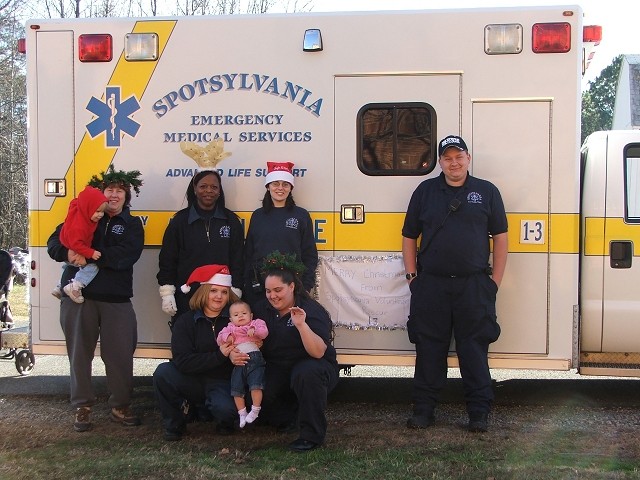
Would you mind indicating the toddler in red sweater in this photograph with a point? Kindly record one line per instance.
(83, 216)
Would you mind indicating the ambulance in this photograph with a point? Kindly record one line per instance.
(357, 101)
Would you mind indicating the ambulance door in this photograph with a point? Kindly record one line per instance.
(51, 152)
(366, 177)
(621, 306)
(522, 176)
(386, 134)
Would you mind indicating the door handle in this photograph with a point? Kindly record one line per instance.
(352, 213)
(620, 253)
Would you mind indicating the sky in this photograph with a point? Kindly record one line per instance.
(618, 18)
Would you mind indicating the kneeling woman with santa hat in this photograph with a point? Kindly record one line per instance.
(199, 374)
(278, 225)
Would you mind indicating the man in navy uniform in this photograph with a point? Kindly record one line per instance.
(453, 286)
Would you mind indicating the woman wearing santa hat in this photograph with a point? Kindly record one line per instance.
(198, 377)
(206, 232)
(278, 225)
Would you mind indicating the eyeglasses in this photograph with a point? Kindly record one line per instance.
(284, 185)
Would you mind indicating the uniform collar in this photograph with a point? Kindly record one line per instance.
(125, 214)
(194, 215)
(199, 315)
(444, 185)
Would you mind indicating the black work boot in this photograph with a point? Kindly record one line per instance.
(421, 420)
(478, 422)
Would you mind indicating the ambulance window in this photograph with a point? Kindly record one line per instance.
(632, 183)
(396, 139)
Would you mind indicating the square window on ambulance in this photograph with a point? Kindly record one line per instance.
(95, 48)
(503, 39)
(632, 183)
(140, 47)
(396, 139)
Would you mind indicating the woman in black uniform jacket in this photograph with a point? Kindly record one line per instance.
(278, 225)
(198, 377)
(204, 233)
(301, 362)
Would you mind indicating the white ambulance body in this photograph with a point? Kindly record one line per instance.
(357, 101)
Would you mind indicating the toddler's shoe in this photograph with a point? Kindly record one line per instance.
(74, 291)
(56, 292)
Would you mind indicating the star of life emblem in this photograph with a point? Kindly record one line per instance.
(113, 116)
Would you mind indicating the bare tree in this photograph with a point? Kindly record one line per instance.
(152, 8)
(140, 8)
(298, 5)
(103, 8)
(13, 148)
(84, 8)
(231, 7)
(259, 6)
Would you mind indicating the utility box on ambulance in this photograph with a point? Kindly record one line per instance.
(357, 101)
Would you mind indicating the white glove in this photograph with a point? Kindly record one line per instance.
(168, 299)
(237, 291)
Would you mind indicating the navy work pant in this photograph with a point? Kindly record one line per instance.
(172, 388)
(299, 394)
(466, 307)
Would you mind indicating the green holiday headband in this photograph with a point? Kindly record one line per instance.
(120, 177)
(282, 261)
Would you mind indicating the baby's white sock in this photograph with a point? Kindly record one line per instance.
(253, 414)
(243, 417)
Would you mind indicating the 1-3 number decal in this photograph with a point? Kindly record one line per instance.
(532, 231)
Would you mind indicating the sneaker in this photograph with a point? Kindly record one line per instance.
(478, 422)
(421, 421)
(74, 294)
(56, 292)
(82, 422)
(125, 416)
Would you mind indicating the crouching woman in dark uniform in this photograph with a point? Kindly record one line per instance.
(301, 366)
(199, 374)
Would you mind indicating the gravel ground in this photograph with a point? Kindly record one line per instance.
(58, 365)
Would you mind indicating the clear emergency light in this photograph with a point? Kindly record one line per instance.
(551, 37)
(503, 39)
(95, 47)
(141, 47)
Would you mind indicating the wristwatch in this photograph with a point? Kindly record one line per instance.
(409, 276)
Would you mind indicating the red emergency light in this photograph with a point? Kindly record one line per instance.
(551, 37)
(592, 33)
(95, 48)
(22, 45)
